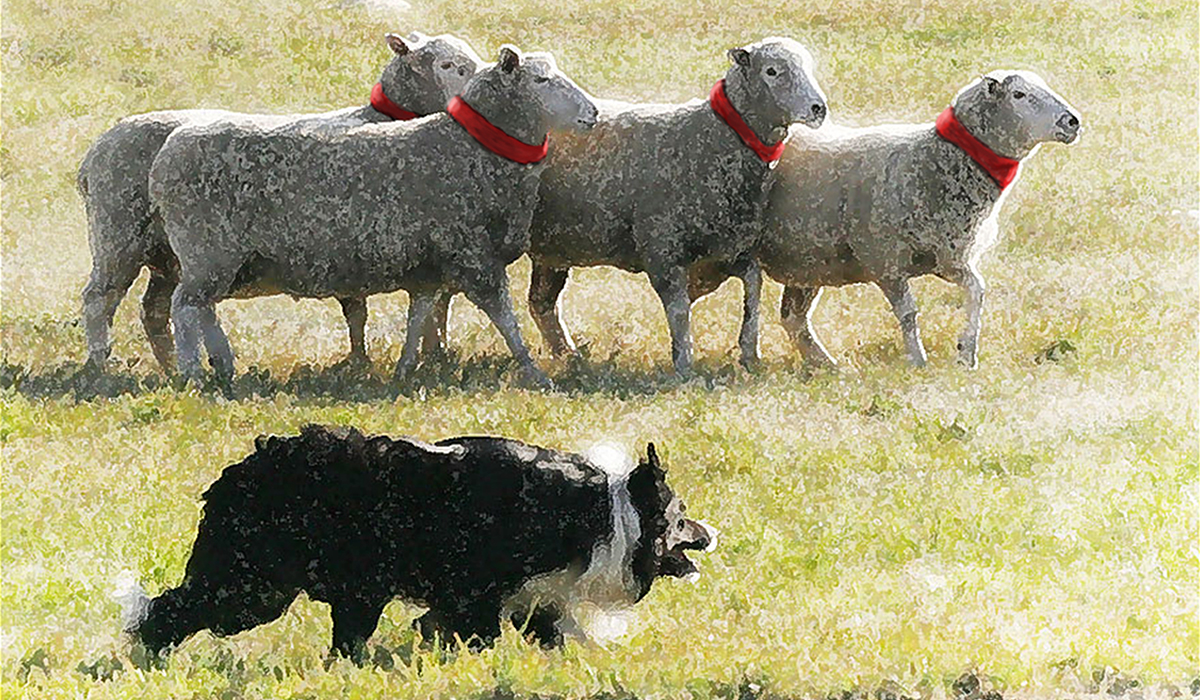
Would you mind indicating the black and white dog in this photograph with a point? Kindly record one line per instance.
(474, 528)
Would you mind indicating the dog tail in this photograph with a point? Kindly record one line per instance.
(135, 604)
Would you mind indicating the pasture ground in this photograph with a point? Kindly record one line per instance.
(1033, 522)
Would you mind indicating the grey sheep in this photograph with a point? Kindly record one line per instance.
(423, 206)
(663, 188)
(124, 235)
(885, 204)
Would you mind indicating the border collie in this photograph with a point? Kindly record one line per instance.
(473, 528)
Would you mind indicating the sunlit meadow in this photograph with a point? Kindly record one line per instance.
(884, 529)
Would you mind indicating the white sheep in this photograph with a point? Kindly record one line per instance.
(885, 204)
(124, 236)
(662, 189)
(442, 202)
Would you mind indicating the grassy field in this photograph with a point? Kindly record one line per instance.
(1032, 522)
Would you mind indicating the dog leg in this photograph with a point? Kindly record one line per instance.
(354, 621)
(476, 623)
(540, 625)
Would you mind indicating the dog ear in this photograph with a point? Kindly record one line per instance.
(652, 457)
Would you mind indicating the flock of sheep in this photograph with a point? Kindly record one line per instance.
(458, 167)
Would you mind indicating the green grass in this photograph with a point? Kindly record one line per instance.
(1033, 522)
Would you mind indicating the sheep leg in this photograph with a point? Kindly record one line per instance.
(904, 306)
(433, 342)
(101, 296)
(419, 306)
(672, 287)
(493, 298)
(355, 311)
(156, 315)
(193, 314)
(220, 354)
(968, 342)
(795, 313)
(545, 303)
(751, 276)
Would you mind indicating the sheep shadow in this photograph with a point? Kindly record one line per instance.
(444, 375)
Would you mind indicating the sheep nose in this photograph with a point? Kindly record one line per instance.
(818, 114)
(1069, 120)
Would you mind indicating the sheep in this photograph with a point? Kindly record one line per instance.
(124, 236)
(663, 188)
(443, 202)
(888, 203)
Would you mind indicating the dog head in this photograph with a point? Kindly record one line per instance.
(666, 534)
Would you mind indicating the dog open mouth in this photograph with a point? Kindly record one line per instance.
(696, 536)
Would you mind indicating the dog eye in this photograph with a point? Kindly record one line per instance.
(1018, 95)
(447, 65)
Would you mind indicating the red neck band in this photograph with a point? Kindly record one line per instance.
(493, 137)
(721, 105)
(1002, 169)
(383, 105)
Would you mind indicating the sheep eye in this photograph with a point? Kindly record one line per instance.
(447, 65)
(1019, 95)
(771, 71)
(541, 79)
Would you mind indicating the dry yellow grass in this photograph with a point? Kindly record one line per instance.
(1032, 522)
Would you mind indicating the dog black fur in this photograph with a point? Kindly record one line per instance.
(459, 527)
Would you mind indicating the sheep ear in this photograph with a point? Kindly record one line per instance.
(397, 44)
(510, 58)
(993, 85)
(740, 56)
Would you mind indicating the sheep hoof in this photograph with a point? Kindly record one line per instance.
(534, 378)
(817, 359)
(95, 365)
(353, 363)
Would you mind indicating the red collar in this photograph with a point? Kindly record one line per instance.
(1002, 169)
(383, 105)
(721, 105)
(493, 137)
